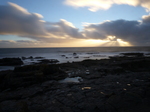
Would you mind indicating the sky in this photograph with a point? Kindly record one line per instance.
(74, 23)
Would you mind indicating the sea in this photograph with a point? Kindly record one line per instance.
(64, 55)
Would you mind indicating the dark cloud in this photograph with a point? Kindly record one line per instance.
(7, 43)
(146, 19)
(135, 32)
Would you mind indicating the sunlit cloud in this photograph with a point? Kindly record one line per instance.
(95, 5)
(17, 7)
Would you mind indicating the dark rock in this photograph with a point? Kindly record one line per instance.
(133, 54)
(138, 65)
(63, 55)
(74, 54)
(86, 57)
(99, 55)
(76, 57)
(23, 58)
(8, 106)
(147, 54)
(38, 57)
(46, 61)
(23, 107)
(30, 74)
(90, 53)
(125, 102)
(10, 62)
(30, 57)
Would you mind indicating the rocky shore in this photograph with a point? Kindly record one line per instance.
(117, 84)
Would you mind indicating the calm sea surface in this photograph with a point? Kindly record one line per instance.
(56, 53)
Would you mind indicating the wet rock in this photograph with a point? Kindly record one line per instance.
(133, 54)
(46, 61)
(38, 57)
(10, 62)
(63, 55)
(23, 58)
(147, 54)
(86, 57)
(99, 55)
(74, 54)
(76, 57)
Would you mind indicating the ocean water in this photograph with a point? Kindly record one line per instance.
(56, 53)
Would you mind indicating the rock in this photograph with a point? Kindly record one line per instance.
(10, 62)
(87, 107)
(74, 54)
(38, 57)
(23, 58)
(8, 106)
(86, 57)
(147, 54)
(46, 61)
(23, 107)
(63, 55)
(125, 102)
(99, 55)
(76, 57)
(48, 83)
(30, 57)
(133, 54)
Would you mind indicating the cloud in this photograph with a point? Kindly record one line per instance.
(135, 32)
(95, 5)
(146, 18)
(53, 42)
(15, 20)
(18, 21)
(63, 29)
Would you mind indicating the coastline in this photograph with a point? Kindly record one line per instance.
(121, 83)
